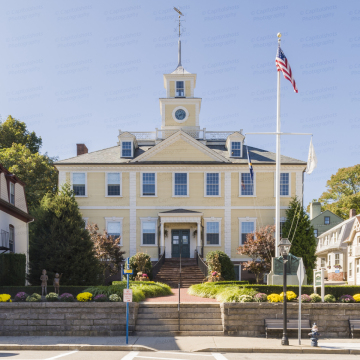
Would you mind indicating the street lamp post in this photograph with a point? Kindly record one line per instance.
(284, 249)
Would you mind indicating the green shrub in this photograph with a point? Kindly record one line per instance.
(34, 298)
(227, 267)
(12, 269)
(114, 298)
(235, 282)
(315, 298)
(245, 298)
(52, 297)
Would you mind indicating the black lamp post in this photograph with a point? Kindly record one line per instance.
(284, 247)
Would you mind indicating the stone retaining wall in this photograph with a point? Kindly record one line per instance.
(109, 319)
(66, 319)
(247, 319)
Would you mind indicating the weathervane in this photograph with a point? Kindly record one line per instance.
(180, 14)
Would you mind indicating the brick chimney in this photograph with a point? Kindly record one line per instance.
(81, 149)
(352, 213)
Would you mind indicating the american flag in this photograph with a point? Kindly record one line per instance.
(283, 65)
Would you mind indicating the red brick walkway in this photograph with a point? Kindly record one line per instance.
(184, 297)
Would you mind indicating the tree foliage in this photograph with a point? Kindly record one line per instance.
(60, 243)
(298, 229)
(227, 267)
(260, 247)
(35, 170)
(343, 192)
(107, 251)
(13, 131)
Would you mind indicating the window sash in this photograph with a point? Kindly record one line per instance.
(236, 148)
(180, 186)
(11, 239)
(247, 186)
(212, 233)
(113, 184)
(114, 229)
(149, 233)
(323, 262)
(79, 180)
(284, 184)
(327, 220)
(12, 193)
(247, 227)
(180, 89)
(126, 148)
(148, 184)
(212, 184)
(337, 259)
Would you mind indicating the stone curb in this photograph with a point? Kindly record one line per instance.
(292, 350)
(77, 347)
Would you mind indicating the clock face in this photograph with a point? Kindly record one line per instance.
(180, 114)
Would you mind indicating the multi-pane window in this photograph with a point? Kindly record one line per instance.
(180, 90)
(11, 238)
(323, 262)
(337, 259)
(350, 250)
(114, 229)
(357, 266)
(79, 180)
(316, 232)
(126, 149)
(212, 184)
(327, 220)
(329, 260)
(180, 185)
(212, 233)
(247, 186)
(282, 223)
(148, 184)
(236, 148)
(113, 184)
(284, 184)
(149, 232)
(12, 193)
(247, 227)
(350, 269)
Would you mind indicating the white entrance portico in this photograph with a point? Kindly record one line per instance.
(180, 218)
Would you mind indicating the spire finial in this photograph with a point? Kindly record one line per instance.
(179, 42)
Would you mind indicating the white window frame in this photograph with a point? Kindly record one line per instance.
(245, 219)
(321, 262)
(290, 176)
(115, 219)
(205, 183)
(132, 149)
(149, 219)
(350, 250)
(183, 81)
(350, 270)
(141, 184)
(212, 219)
(106, 183)
(86, 186)
(241, 149)
(254, 189)
(337, 254)
(173, 183)
(329, 260)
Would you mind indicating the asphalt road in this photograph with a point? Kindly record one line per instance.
(160, 355)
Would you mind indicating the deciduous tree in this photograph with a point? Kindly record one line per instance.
(260, 247)
(107, 251)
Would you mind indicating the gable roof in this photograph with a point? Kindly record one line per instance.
(327, 212)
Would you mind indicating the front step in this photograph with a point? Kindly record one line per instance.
(162, 319)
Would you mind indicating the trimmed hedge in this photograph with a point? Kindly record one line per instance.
(13, 290)
(243, 282)
(12, 269)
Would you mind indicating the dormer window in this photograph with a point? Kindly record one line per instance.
(12, 193)
(235, 148)
(126, 149)
(180, 89)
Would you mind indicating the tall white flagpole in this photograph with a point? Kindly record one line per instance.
(277, 172)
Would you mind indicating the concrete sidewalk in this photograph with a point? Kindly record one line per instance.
(179, 343)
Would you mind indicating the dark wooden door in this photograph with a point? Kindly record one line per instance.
(180, 242)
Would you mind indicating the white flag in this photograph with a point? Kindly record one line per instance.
(312, 159)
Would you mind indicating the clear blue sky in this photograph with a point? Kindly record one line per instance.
(76, 71)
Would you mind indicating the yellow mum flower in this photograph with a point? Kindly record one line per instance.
(85, 296)
(357, 297)
(290, 295)
(274, 298)
(5, 298)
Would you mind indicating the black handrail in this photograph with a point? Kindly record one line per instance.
(156, 268)
(201, 264)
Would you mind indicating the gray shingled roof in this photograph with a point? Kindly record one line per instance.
(112, 156)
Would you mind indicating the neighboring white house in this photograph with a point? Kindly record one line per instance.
(332, 250)
(14, 216)
(353, 253)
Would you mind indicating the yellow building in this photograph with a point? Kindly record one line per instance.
(180, 186)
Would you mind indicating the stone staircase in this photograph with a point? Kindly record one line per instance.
(161, 319)
(170, 273)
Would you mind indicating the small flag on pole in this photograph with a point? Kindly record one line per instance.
(283, 65)
(250, 166)
(312, 159)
